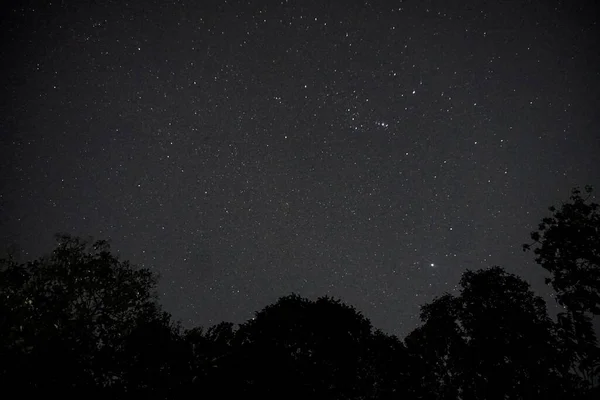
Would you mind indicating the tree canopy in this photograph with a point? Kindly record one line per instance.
(65, 318)
(494, 340)
(82, 322)
(567, 244)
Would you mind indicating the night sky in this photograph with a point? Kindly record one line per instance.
(371, 151)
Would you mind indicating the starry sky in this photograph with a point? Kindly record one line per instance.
(367, 150)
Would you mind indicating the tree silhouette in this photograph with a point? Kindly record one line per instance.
(493, 341)
(389, 370)
(297, 348)
(81, 322)
(437, 349)
(65, 318)
(154, 360)
(213, 364)
(567, 244)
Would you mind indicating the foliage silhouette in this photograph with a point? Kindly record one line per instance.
(81, 322)
(494, 340)
(567, 244)
(65, 318)
(297, 348)
(154, 360)
(212, 365)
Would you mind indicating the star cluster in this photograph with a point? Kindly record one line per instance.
(367, 150)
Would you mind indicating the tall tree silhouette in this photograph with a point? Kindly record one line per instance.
(65, 318)
(493, 341)
(567, 244)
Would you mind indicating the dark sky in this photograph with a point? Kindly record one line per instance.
(371, 151)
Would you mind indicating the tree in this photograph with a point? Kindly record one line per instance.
(388, 369)
(567, 244)
(314, 347)
(494, 341)
(65, 318)
(297, 349)
(213, 363)
(436, 350)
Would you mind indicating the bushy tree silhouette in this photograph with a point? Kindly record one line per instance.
(214, 365)
(154, 360)
(80, 322)
(567, 244)
(494, 340)
(65, 318)
(297, 348)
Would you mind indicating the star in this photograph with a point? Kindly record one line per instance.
(245, 156)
